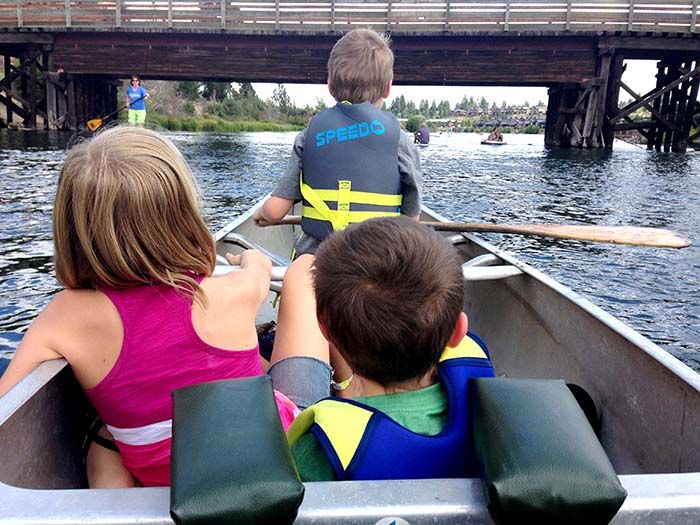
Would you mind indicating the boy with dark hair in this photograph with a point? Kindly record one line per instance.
(389, 295)
(353, 160)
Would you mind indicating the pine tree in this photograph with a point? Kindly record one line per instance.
(281, 99)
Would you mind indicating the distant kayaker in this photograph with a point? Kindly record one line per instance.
(388, 293)
(422, 135)
(353, 159)
(140, 314)
(136, 96)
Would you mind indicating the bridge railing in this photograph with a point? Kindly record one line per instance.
(396, 16)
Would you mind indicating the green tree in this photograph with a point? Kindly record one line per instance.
(189, 89)
(281, 99)
(217, 91)
(320, 105)
(424, 107)
(247, 90)
(413, 123)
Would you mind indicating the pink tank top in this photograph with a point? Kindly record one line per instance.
(161, 352)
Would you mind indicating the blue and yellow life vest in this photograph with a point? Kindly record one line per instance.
(351, 168)
(364, 443)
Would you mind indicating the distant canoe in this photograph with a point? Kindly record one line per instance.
(493, 142)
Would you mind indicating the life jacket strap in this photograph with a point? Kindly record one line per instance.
(362, 197)
(323, 212)
(353, 216)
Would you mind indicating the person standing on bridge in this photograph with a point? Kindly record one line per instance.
(136, 96)
(353, 160)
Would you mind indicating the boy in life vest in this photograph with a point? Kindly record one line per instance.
(388, 295)
(352, 162)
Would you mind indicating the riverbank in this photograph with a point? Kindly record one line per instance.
(175, 123)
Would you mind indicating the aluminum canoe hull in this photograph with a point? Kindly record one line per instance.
(534, 326)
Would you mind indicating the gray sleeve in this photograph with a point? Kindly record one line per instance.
(411, 176)
(288, 185)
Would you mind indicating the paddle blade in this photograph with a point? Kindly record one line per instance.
(94, 124)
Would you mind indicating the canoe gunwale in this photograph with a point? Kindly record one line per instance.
(653, 498)
(672, 363)
(659, 498)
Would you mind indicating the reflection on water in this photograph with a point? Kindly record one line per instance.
(655, 291)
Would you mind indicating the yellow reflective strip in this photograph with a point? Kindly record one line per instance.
(467, 347)
(344, 424)
(343, 209)
(319, 206)
(363, 197)
(353, 216)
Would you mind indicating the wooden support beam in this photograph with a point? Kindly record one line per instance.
(669, 103)
(647, 105)
(661, 75)
(617, 69)
(683, 141)
(593, 131)
(30, 119)
(14, 73)
(8, 72)
(11, 105)
(657, 93)
(635, 124)
(70, 105)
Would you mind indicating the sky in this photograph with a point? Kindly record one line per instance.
(639, 76)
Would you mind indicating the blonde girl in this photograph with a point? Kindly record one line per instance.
(140, 314)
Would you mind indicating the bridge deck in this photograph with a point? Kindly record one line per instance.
(395, 16)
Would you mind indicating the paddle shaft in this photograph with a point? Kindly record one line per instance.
(117, 111)
(636, 236)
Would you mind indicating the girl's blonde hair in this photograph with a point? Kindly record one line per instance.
(360, 67)
(127, 214)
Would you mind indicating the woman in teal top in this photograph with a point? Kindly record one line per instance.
(136, 96)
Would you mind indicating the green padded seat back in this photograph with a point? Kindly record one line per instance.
(230, 458)
(541, 461)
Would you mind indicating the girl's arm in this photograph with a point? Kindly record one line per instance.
(82, 326)
(34, 349)
(258, 268)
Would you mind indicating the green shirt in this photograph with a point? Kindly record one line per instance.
(423, 411)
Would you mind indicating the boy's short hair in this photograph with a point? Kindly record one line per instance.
(360, 67)
(388, 293)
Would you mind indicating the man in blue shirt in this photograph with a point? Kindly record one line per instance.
(136, 97)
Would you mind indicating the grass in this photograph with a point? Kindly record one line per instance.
(175, 123)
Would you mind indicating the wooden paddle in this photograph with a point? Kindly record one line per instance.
(636, 236)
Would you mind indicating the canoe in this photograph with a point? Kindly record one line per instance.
(648, 400)
(493, 142)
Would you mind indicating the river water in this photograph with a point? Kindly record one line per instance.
(655, 291)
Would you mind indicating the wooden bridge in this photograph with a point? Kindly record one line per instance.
(63, 58)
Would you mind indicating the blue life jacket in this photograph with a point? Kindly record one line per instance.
(362, 443)
(350, 168)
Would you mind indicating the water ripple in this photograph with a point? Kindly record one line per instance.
(655, 291)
